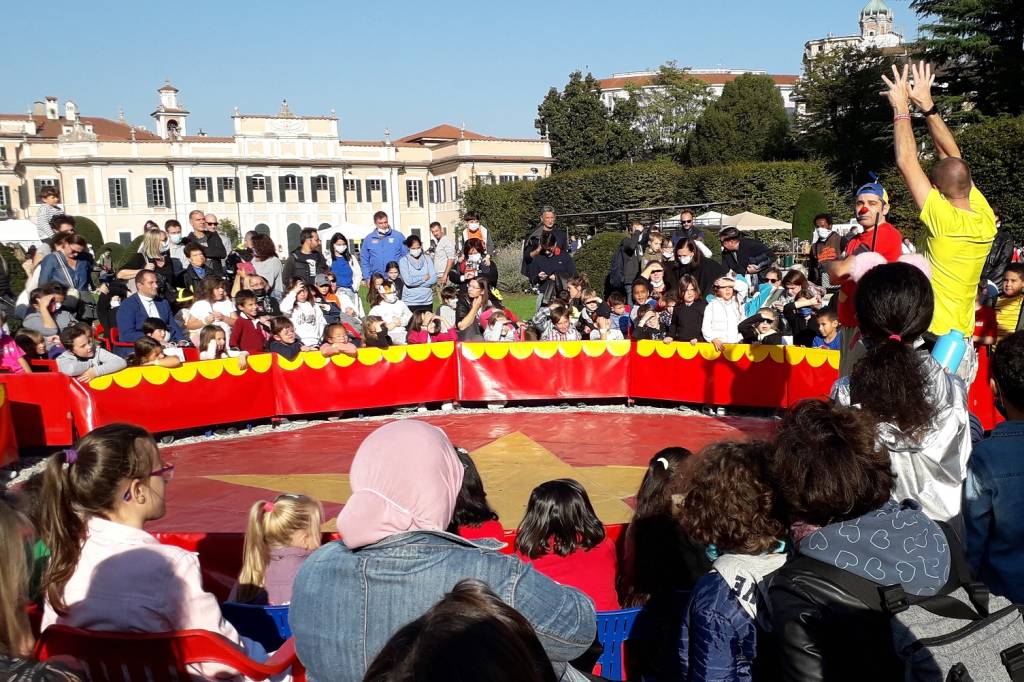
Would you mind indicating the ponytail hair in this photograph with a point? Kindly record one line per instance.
(274, 524)
(82, 482)
(661, 481)
(894, 306)
(15, 632)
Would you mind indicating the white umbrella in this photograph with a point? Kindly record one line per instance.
(751, 222)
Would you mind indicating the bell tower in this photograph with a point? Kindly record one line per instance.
(170, 115)
(875, 19)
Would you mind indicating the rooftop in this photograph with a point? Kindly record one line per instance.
(105, 129)
(644, 78)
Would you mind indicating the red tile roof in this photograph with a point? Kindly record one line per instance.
(444, 131)
(106, 130)
(709, 78)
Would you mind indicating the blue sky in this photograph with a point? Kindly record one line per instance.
(404, 65)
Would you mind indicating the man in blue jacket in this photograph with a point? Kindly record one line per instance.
(380, 247)
(144, 304)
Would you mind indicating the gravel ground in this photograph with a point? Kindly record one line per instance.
(28, 466)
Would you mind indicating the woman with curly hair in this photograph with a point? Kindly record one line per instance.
(730, 508)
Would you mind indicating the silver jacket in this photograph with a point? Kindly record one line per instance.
(931, 469)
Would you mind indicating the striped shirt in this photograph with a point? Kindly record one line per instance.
(46, 214)
(554, 335)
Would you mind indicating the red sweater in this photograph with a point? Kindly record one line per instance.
(591, 571)
(487, 529)
(249, 335)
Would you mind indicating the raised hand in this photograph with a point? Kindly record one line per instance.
(921, 89)
(899, 89)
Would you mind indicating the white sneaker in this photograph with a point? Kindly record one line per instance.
(447, 407)
(422, 408)
(495, 406)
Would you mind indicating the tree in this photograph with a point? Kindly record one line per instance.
(747, 123)
(844, 121)
(229, 230)
(577, 123)
(667, 113)
(811, 203)
(979, 45)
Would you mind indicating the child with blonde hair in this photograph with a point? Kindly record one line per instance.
(280, 536)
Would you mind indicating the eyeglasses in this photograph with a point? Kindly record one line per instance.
(654, 272)
(771, 280)
(686, 222)
(165, 472)
(213, 224)
(593, 303)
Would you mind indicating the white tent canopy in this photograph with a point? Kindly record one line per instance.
(21, 232)
(352, 231)
(711, 218)
(752, 222)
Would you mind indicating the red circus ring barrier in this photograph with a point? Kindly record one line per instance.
(48, 409)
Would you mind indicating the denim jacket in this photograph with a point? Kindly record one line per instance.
(346, 604)
(993, 500)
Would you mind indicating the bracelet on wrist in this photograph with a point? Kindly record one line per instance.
(901, 117)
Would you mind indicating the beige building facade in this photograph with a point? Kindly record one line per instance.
(275, 174)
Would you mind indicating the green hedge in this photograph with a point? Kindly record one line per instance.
(594, 259)
(771, 189)
(995, 152)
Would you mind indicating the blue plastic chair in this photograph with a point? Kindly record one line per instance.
(613, 629)
(268, 625)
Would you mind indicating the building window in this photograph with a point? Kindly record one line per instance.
(376, 186)
(201, 184)
(290, 182)
(354, 187)
(228, 183)
(414, 192)
(437, 191)
(507, 178)
(80, 186)
(320, 183)
(124, 238)
(456, 193)
(259, 183)
(531, 178)
(156, 192)
(5, 198)
(484, 179)
(118, 189)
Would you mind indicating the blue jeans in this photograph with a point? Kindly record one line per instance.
(992, 511)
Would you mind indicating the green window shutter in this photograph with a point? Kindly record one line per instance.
(312, 187)
(331, 189)
(302, 190)
(37, 187)
(192, 190)
(112, 189)
(248, 188)
(150, 203)
(80, 186)
(167, 191)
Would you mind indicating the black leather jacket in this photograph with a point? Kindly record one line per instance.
(825, 633)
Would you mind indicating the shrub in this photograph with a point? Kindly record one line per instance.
(594, 259)
(995, 152)
(509, 260)
(14, 269)
(88, 229)
(810, 204)
(508, 210)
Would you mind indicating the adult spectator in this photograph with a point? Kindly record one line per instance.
(550, 269)
(474, 230)
(266, 263)
(744, 255)
(49, 208)
(690, 262)
(144, 304)
(417, 273)
(442, 250)
(687, 229)
(474, 261)
(626, 262)
(306, 262)
(59, 224)
(394, 562)
(961, 225)
(532, 247)
(382, 246)
(173, 229)
(47, 315)
(150, 257)
(832, 475)
(240, 256)
(827, 246)
(344, 264)
(920, 409)
(204, 233)
(1000, 255)
(69, 264)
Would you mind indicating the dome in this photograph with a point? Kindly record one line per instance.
(875, 7)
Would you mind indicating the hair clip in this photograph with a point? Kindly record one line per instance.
(268, 507)
(896, 337)
(664, 462)
(70, 456)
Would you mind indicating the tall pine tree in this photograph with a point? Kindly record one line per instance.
(747, 123)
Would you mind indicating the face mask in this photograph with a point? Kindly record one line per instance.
(475, 258)
(383, 231)
(175, 238)
(390, 298)
(473, 227)
(164, 247)
(685, 260)
(415, 253)
(667, 254)
(823, 232)
(340, 248)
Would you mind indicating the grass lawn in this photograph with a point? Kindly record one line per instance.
(523, 305)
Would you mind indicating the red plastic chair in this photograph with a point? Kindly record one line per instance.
(191, 353)
(100, 335)
(116, 341)
(158, 657)
(43, 365)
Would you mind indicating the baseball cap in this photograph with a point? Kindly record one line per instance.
(874, 188)
(321, 280)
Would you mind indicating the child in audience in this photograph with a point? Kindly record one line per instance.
(530, 333)
(105, 572)
(985, 328)
(585, 323)
(338, 342)
(375, 332)
(449, 299)
(563, 538)
(722, 316)
(148, 352)
(688, 312)
(620, 316)
(762, 328)
(730, 508)
(561, 328)
(994, 489)
(32, 344)
(653, 252)
(394, 277)
(641, 295)
(279, 537)
(500, 328)
(385, 304)
(426, 327)
(283, 339)
(249, 334)
(828, 330)
(213, 345)
(473, 517)
(211, 306)
(1008, 305)
(307, 317)
(648, 324)
(12, 357)
(603, 329)
(82, 359)
(157, 329)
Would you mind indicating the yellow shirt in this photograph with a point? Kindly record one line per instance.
(958, 244)
(1007, 314)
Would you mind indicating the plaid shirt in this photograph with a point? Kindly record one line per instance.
(554, 335)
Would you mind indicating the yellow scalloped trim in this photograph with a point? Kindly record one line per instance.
(687, 350)
(496, 350)
(419, 352)
(3, 394)
(815, 357)
(665, 350)
(443, 350)
(520, 351)
(343, 360)
(261, 363)
(370, 356)
(232, 368)
(570, 349)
